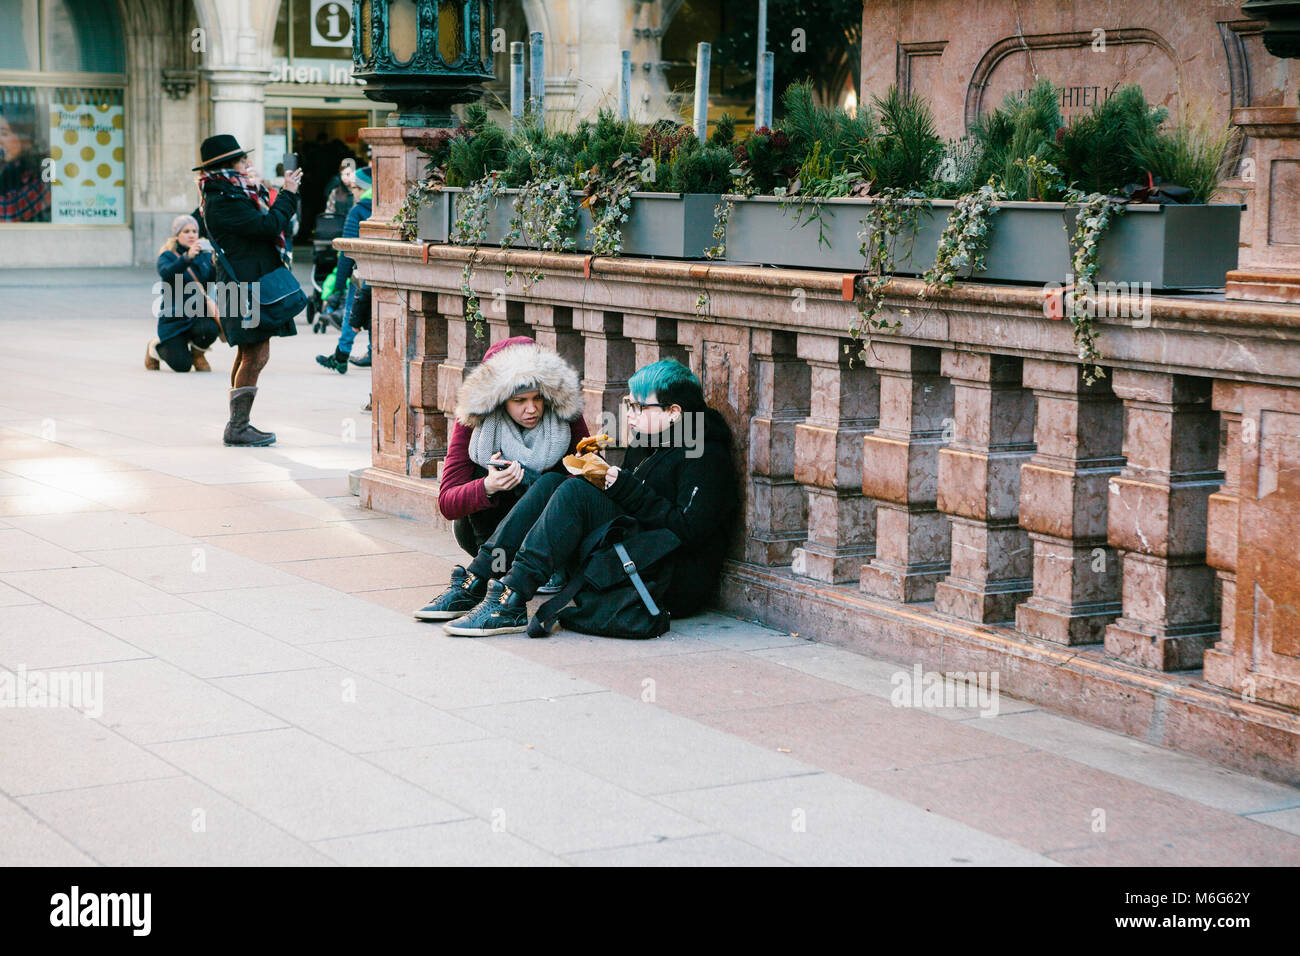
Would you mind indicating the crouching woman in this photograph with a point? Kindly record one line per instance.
(517, 415)
(677, 474)
(185, 333)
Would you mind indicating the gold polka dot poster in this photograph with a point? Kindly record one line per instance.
(90, 168)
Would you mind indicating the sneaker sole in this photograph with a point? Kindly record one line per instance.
(483, 631)
(440, 615)
(248, 444)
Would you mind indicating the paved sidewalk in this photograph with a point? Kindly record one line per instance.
(267, 699)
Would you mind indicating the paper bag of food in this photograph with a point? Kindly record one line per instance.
(587, 462)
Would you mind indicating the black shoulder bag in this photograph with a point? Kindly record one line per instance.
(279, 299)
(617, 586)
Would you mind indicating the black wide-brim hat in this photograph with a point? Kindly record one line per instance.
(217, 151)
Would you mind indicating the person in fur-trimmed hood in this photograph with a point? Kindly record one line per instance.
(523, 407)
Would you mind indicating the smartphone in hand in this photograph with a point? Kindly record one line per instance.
(500, 464)
(290, 161)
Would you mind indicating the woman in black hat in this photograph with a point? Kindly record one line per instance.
(254, 236)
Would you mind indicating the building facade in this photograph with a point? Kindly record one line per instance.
(103, 103)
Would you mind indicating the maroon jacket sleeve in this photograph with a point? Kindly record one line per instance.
(578, 431)
(459, 492)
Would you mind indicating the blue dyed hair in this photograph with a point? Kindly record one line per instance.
(671, 382)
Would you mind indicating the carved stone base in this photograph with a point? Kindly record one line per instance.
(1265, 285)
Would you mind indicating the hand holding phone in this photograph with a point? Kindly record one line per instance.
(502, 474)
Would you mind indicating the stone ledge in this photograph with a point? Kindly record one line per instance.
(1177, 711)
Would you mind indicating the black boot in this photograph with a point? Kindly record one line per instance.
(338, 362)
(238, 431)
(462, 595)
(503, 611)
(363, 362)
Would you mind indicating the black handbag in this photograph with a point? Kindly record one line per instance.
(270, 303)
(617, 584)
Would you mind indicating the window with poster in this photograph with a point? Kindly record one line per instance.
(62, 114)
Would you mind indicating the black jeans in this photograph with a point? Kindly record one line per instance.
(496, 554)
(574, 510)
(176, 350)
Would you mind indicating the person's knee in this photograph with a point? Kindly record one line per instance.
(551, 480)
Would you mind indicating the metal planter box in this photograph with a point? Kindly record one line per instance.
(670, 225)
(434, 220)
(1167, 246)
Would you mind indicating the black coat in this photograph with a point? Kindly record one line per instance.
(247, 236)
(694, 497)
(172, 320)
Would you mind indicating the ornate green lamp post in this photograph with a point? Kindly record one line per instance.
(422, 55)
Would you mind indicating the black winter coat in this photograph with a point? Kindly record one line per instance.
(247, 236)
(173, 321)
(695, 498)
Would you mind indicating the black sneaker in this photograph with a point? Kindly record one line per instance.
(333, 362)
(553, 585)
(462, 596)
(363, 362)
(503, 611)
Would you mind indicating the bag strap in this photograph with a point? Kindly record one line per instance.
(630, 567)
(221, 257)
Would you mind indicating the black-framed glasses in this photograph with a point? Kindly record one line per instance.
(636, 408)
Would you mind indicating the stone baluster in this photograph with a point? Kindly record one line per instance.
(505, 319)
(1221, 534)
(979, 488)
(464, 351)
(1157, 520)
(844, 405)
(900, 470)
(778, 506)
(552, 327)
(1064, 488)
(653, 338)
(429, 351)
(608, 361)
(389, 411)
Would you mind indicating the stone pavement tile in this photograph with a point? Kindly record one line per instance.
(631, 744)
(450, 672)
(460, 843)
(90, 593)
(303, 785)
(247, 518)
(303, 545)
(149, 701)
(417, 536)
(20, 551)
(172, 822)
(21, 447)
(878, 678)
(181, 498)
(350, 711)
(95, 485)
(402, 600)
(535, 797)
(374, 571)
(97, 529)
(1049, 803)
(859, 735)
(37, 635)
(56, 748)
(59, 463)
(1288, 820)
(11, 485)
(306, 489)
(207, 645)
(568, 648)
(303, 613)
(345, 508)
(821, 819)
(1157, 767)
(26, 840)
(732, 633)
(709, 682)
(47, 502)
(202, 566)
(1221, 847)
(9, 596)
(709, 849)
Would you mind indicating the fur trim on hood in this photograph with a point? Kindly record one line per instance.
(517, 368)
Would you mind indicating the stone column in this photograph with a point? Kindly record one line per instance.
(653, 338)
(844, 405)
(778, 507)
(609, 359)
(464, 351)
(238, 95)
(1063, 499)
(552, 327)
(900, 470)
(1157, 520)
(506, 323)
(390, 412)
(429, 350)
(979, 488)
(1221, 533)
(1270, 264)
(396, 164)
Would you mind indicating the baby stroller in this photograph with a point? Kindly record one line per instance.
(322, 314)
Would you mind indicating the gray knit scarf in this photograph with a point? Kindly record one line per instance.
(537, 448)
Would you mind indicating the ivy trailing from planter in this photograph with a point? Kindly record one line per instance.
(888, 233)
(470, 229)
(965, 238)
(407, 217)
(1096, 213)
(545, 216)
(609, 201)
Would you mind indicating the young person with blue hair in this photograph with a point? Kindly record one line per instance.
(677, 474)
